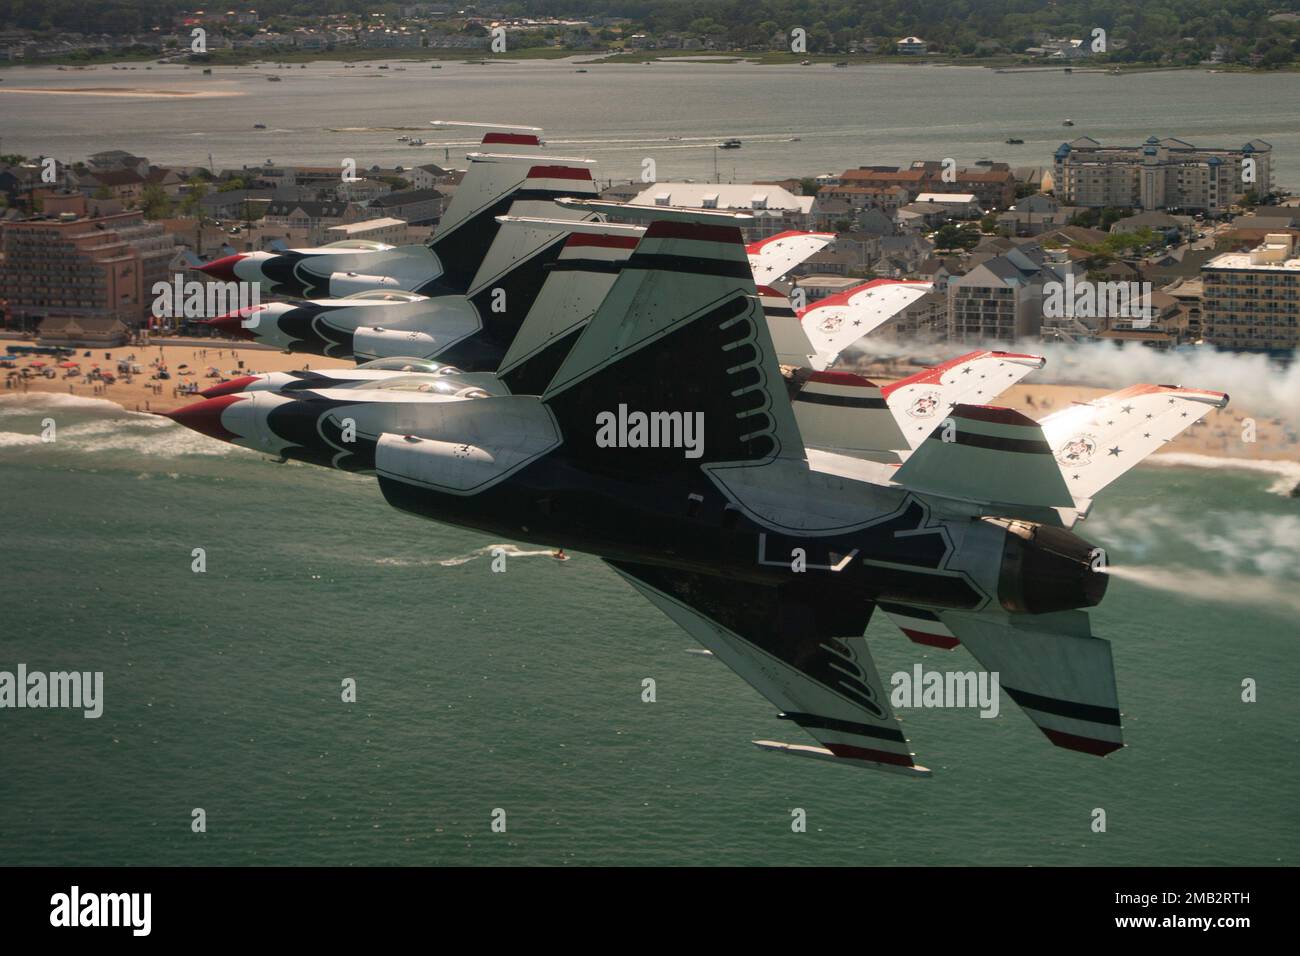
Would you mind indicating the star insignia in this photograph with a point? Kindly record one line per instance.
(1126, 409)
(1115, 451)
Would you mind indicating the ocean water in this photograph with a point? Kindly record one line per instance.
(522, 691)
(622, 115)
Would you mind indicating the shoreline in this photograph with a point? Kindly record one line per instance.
(1217, 436)
(1006, 63)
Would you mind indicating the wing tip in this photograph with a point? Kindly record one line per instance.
(1087, 745)
(849, 756)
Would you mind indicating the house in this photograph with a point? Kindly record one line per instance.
(911, 46)
(419, 207)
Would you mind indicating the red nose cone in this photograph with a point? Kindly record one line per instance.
(235, 324)
(230, 386)
(205, 416)
(223, 268)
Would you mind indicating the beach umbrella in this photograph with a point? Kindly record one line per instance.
(69, 365)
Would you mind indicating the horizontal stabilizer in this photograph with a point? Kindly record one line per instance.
(1095, 442)
(1059, 675)
(989, 455)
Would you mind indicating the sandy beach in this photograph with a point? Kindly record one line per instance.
(1218, 435)
(145, 394)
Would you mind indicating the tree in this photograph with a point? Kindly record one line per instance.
(154, 203)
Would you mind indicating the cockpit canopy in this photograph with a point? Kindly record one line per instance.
(406, 363)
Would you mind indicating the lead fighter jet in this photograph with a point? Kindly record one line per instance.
(667, 444)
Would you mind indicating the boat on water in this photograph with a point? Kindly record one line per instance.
(985, 161)
(729, 144)
(1013, 141)
(415, 141)
(273, 79)
(842, 64)
(436, 66)
(1068, 122)
(579, 71)
(259, 126)
(403, 139)
(805, 62)
(207, 71)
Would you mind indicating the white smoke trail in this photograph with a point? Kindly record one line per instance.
(1228, 543)
(1257, 384)
(1263, 594)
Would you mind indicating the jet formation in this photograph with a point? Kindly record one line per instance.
(646, 391)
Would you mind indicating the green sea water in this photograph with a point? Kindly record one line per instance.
(522, 691)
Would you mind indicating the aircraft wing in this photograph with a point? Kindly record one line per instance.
(773, 257)
(837, 321)
(1095, 442)
(799, 647)
(1061, 676)
(976, 378)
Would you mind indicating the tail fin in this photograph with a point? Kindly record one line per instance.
(681, 336)
(791, 342)
(844, 413)
(576, 283)
(493, 185)
(512, 274)
(1095, 442)
(496, 134)
(988, 455)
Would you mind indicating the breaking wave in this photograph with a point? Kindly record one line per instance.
(1287, 473)
(509, 550)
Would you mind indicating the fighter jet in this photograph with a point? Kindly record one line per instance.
(471, 329)
(559, 268)
(666, 443)
(445, 265)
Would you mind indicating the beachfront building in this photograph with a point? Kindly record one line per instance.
(1251, 300)
(911, 46)
(96, 271)
(1161, 174)
(1001, 299)
(774, 208)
